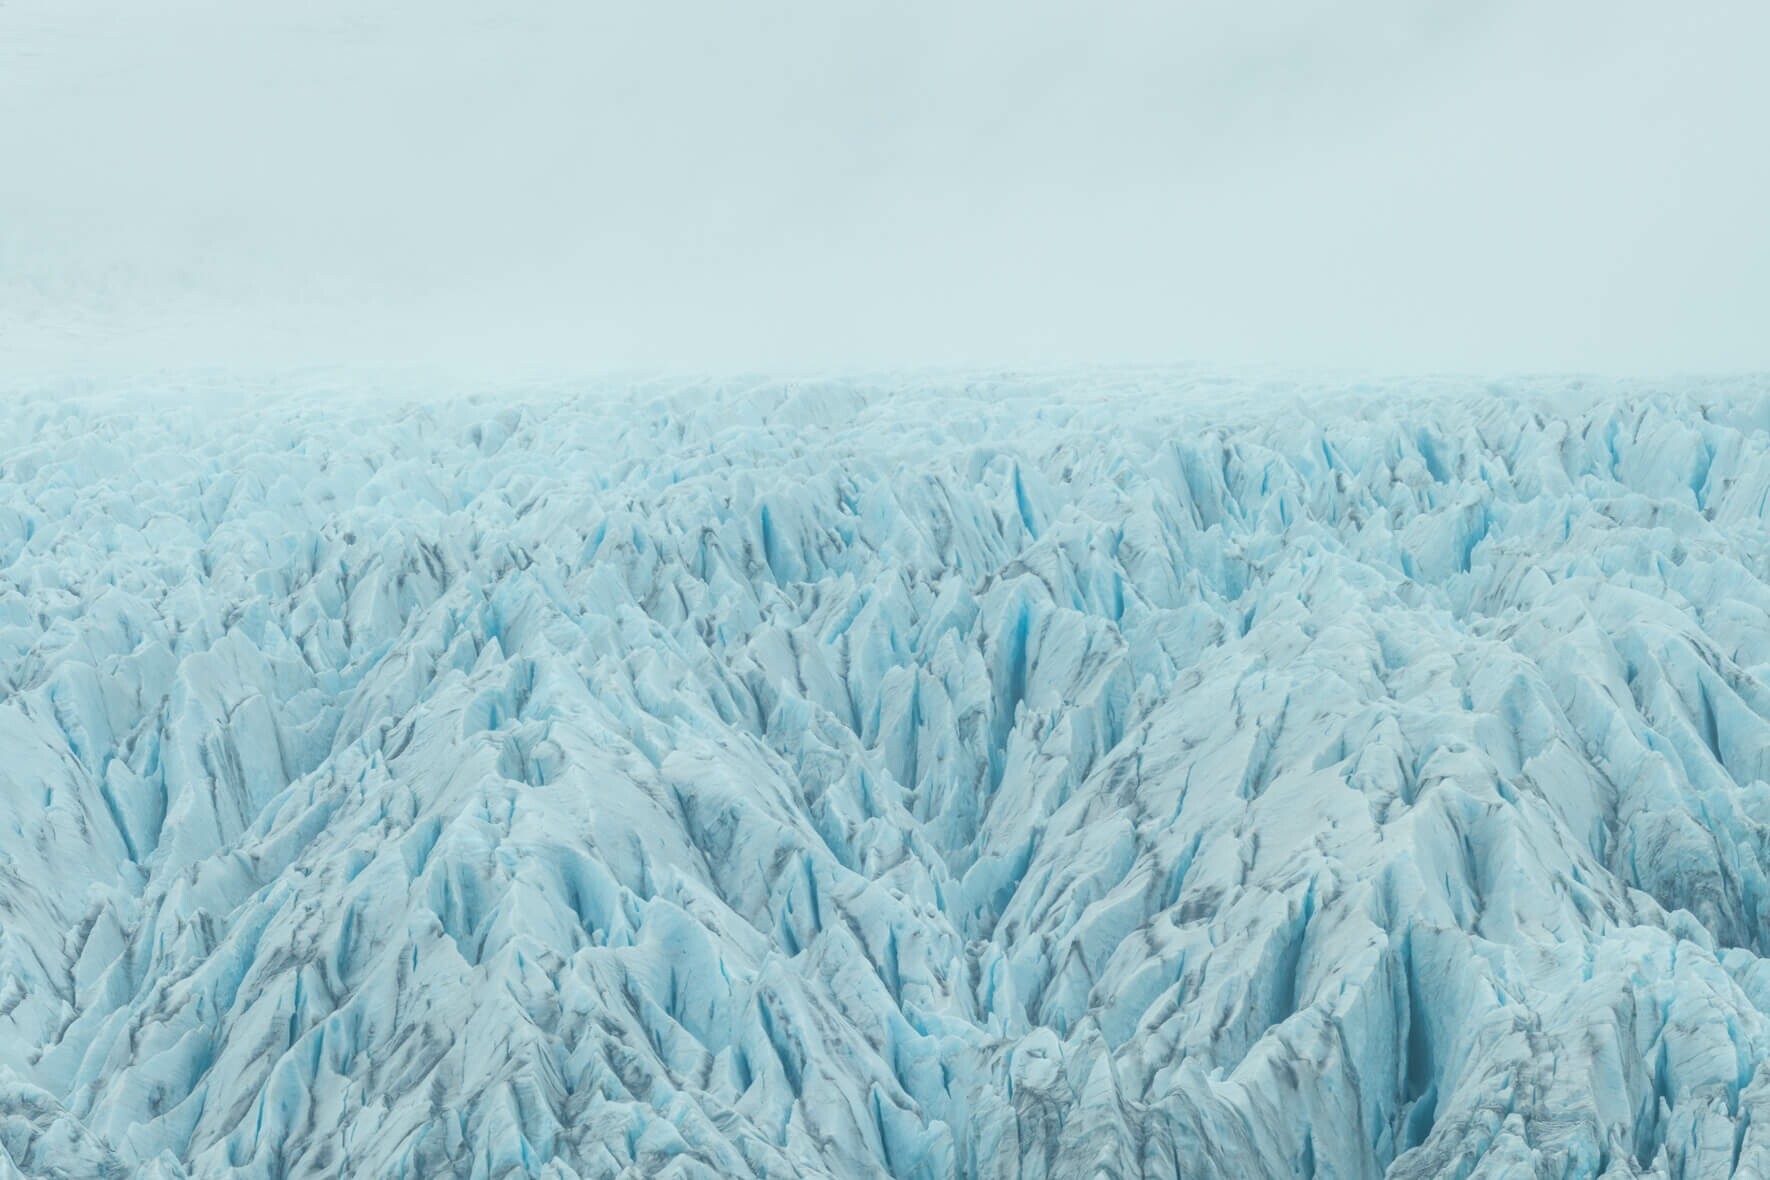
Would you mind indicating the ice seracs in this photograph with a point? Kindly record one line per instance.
(922, 778)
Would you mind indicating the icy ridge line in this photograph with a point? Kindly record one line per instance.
(988, 778)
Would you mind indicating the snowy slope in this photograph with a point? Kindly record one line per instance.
(932, 778)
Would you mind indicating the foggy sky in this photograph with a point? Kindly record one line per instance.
(697, 185)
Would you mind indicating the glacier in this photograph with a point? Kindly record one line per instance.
(939, 776)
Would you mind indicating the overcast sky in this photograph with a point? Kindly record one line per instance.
(1471, 185)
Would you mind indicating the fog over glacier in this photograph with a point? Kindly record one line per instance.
(923, 777)
(577, 185)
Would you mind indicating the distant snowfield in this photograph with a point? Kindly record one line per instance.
(993, 776)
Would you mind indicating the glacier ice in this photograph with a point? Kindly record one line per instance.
(986, 777)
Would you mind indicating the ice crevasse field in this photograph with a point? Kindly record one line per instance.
(941, 776)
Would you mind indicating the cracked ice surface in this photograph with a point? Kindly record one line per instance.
(925, 778)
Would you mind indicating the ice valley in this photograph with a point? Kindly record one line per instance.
(925, 778)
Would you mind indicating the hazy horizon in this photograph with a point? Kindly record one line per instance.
(689, 187)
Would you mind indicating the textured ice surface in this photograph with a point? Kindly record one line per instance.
(925, 779)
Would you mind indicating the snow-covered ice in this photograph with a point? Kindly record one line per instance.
(932, 777)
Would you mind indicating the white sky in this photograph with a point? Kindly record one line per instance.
(1483, 185)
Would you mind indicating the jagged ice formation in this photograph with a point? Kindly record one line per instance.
(930, 778)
